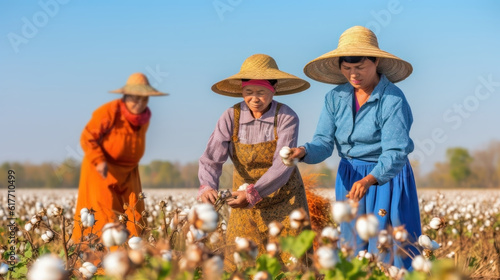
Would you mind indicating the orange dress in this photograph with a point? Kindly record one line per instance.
(109, 137)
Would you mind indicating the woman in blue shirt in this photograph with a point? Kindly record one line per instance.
(368, 119)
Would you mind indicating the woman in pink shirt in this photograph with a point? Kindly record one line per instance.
(251, 134)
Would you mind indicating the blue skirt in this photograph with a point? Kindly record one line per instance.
(398, 197)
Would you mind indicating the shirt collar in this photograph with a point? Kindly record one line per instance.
(246, 115)
(348, 89)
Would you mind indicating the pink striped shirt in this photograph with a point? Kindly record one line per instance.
(252, 131)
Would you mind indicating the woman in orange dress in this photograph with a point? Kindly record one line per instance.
(114, 142)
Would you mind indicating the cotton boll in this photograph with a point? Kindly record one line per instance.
(135, 243)
(437, 223)
(213, 268)
(425, 241)
(289, 162)
(262, 275)
(400, 234)
(28, 226)
(428, 207)
(107, 238)
(4, 268)
(367, 226)
(327, 257)
(114, 234)
(166, 255)
(275, 228)
(342, 212)
(203, 217)
(47, 267)
(119, 236)
(117, 264)
(272, 248)
(419, 263)
(382, 212)
(242, 244)
(330, 234)
(88, 270)
(402, 273)
(384, 240)
(298, 218)
(48, 236)
(285, 152)
(393, 271)
(243, 187)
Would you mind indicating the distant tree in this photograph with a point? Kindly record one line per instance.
(189, 175)
(439, 177)
(417, 173)
(459, 161)
(486, 166)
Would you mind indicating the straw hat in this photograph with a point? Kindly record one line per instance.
(260, 67)
(356, 41)
(138, 84)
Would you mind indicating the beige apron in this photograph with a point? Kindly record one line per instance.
(251, 161)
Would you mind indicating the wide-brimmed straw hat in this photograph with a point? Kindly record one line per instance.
(260, 67)
(356, 41)
(138, 84)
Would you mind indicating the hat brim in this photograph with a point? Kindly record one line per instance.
(139, 90)
(287, 83)
(326, 67)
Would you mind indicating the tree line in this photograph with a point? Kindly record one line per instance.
(461, 169)
(156, 174)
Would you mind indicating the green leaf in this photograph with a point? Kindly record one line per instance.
(417, 275)
(43, 250)
(165, 270)
(28, 254)
(298, 245)
(226, 276)
(330, 274)
(19, 271)
(269, 264)
(23, 270)
(28, 251)
(472, 262)
(283, 276)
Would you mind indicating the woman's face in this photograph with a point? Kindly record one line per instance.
(361, 75)
(257, 99)
(136, 104)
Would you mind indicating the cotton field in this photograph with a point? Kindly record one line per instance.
(183, 239)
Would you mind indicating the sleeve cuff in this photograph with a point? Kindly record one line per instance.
(378, 177)
(305, 158)
(202, 190)
(253, 196)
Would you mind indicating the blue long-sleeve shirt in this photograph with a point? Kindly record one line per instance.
(379, 132)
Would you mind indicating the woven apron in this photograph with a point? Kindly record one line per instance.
(251, 161)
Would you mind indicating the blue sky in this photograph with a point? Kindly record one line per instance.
(59, 58)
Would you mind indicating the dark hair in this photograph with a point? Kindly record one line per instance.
(355, 59)
(272, 82)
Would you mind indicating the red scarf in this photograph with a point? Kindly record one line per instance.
(133, 119)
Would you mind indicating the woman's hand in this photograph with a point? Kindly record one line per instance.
(102, 168)
(360, 188)
(238, 200)
(210, 196)
(297, 153)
